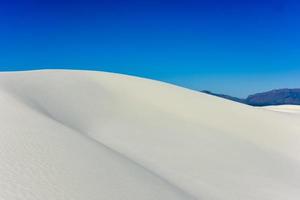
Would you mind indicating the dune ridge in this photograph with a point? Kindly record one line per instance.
(95, 135)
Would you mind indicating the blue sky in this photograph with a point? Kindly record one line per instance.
(229, 46)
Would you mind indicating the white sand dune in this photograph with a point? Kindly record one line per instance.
(70, 135)
(291, 109)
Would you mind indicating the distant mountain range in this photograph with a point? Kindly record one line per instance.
(273, 97)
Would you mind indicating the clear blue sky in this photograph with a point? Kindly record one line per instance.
(228, 46)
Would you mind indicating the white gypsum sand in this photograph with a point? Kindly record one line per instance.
(94, 135)
(291, 109)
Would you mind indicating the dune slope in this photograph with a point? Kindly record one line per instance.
(95, 135)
